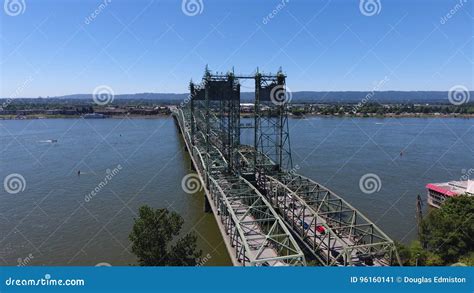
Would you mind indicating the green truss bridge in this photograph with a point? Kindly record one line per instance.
(268, 214)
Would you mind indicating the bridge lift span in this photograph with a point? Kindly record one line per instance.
(264, 209)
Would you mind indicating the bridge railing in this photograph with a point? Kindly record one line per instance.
(331, 227)
(258, 235)
(334, 231)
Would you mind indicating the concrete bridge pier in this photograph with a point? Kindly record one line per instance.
(207, 205)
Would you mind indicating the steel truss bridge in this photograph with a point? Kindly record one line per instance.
(268, 214)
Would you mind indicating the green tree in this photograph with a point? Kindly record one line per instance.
(448, 230)
(404, 253)
(415, 255)
(468, 259)
(155, 243)
(433, 259)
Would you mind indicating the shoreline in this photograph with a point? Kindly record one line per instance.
(406, 115)
(311, 115)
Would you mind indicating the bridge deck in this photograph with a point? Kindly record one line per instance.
(258, 218)
(334, 231)
(253, 232)
(254, 217)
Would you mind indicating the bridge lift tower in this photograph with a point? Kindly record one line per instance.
(261, 177)
(272, 136)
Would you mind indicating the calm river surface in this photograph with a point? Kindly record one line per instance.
(51, 223)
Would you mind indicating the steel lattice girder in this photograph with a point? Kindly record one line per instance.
(255, 230)
(349, 238)
(272, 137)
(264, 236)
(302, 202)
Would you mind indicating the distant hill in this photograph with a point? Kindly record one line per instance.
(139, 96)
(301, 97)
(357, 96)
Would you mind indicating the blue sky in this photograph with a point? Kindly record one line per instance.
(154, 46)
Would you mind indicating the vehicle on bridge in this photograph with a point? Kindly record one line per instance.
(264, 209)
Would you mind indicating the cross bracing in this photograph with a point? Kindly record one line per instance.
(254, 231)
(258, 199)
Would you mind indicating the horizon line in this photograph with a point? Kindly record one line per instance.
(185, 93)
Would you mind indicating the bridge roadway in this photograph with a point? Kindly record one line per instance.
(252, 216)
(253, 232)
(335, 232)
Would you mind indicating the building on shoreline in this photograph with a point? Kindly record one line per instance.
(439, 192)
(94, 116)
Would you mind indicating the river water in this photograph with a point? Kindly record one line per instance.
(56, 221)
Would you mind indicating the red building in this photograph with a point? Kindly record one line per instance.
(439, 192)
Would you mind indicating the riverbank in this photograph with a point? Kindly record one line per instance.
(403, 115)
(31, 117)
(243, 115)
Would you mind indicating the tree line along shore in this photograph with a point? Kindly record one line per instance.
(31, 109)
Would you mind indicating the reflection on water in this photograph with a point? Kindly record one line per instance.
(56, 221)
